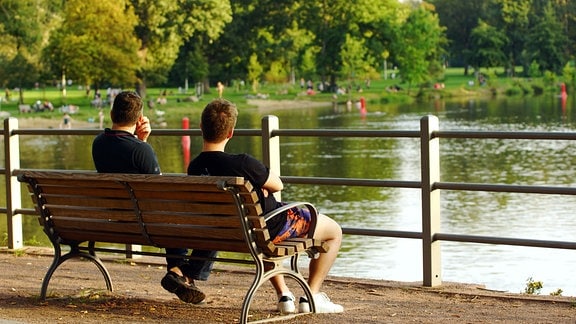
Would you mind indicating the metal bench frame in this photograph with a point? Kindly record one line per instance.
(50, 187)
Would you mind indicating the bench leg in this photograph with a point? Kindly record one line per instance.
(262, 276)
(74, 253)
(302, 282)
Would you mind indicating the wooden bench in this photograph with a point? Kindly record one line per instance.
(80, 208)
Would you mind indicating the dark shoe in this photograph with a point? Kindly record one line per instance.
(189, 293)
(172, 281)
(176, 284)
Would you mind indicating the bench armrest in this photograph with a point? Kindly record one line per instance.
(309, 206)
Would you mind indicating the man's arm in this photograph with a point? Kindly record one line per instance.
(273, 184)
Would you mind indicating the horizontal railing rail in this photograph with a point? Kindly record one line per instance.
(430, 184)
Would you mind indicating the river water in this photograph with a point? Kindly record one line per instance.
(526, 162)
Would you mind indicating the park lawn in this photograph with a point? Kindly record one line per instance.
(454, 80)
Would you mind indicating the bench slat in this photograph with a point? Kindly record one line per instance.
(193, 195)
(93, 175)
(187, 207)
(91, 192)
(192, 231)
(319, 245)
(78, 183)
(167, 206)
(81, 225)
(190, 219)
(92, 213)
(105, 237)
(113, 203)
(257, 222)
(197, 196)
(201, 244)
(299, 246)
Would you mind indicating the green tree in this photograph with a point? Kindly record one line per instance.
(546, 44)
(95, 43)
(513, 19)
(268, 27)
(164, 26)
(307, 38)
(254, 72)
(23, 26)
(191, 65)
(565, 11)
(487, 44)
(355, 61)
(419, 46)
(460, 18)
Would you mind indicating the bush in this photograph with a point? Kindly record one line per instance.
(513, 91)
(538, 88)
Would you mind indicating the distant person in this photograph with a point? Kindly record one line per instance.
(220, 88)
(66, 122)
(101, 118)
(217, 124)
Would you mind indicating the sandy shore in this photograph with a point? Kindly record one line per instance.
(50, 123)
(265, 105)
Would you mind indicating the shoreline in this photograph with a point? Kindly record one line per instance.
(262, 105)
(51, 123)
(267, 105)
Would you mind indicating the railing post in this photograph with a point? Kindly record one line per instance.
(271, 146)
(430, 160)
(13, 192)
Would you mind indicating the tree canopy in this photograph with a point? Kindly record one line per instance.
(522, 32)
(127, 43)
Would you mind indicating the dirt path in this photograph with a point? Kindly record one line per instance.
(77, 294)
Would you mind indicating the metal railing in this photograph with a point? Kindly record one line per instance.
(430, 184)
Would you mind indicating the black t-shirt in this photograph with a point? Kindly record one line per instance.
(218, 163)
(121, 152)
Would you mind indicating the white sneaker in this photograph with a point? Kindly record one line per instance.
(286, 303)
(322, 303)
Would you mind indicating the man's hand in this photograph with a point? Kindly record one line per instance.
(143, 128)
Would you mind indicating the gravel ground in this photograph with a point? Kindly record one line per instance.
(77, 294)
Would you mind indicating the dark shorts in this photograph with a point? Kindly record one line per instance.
(297, 224)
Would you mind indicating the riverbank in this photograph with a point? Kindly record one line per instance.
(54, 123)
(77, 295)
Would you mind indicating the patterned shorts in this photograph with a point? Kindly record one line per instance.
(297, 224)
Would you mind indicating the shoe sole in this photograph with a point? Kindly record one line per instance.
(190, 294)
(286, 310)
(186, 293)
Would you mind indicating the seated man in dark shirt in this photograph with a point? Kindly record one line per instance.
(217, 124)
(123, 149)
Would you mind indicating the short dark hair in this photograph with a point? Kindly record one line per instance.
(218, 119)
(127, 108)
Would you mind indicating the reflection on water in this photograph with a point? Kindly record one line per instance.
(477, 213)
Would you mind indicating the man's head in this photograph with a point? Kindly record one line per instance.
(218, 120)
(127, 108)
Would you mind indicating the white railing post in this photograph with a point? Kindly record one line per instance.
(430, 160)
(13, 194)
(271, 146)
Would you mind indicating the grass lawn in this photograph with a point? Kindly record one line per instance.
(454, 80)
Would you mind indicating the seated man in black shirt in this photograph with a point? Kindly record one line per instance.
(217, 124)
(123, 149)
